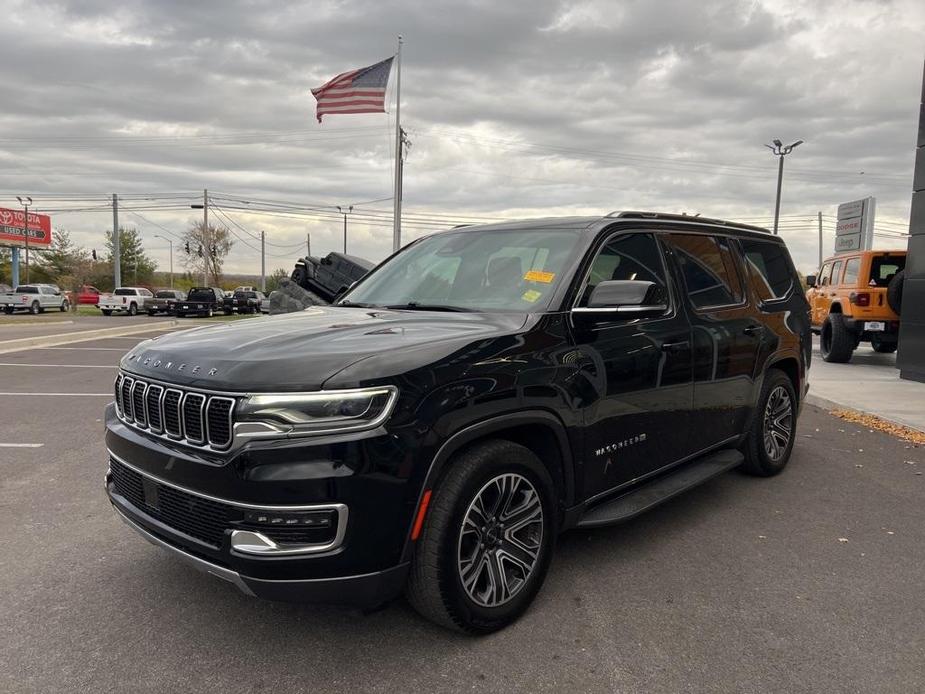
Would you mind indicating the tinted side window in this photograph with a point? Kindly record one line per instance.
(852, 268)
(626, 257)
(768, 267)
(708, 268)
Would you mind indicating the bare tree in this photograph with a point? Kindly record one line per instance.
(205, 249)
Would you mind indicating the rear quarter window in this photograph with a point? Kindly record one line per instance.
(852, 268)
(769, 268)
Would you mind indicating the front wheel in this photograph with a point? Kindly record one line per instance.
(65, 306)
(35, 309)
(770, 440)
(106, 311)
(487, 541)
(210, 313)
(132, 309)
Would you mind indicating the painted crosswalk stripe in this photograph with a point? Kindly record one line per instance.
(21, 445)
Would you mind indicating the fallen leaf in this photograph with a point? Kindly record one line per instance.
(879, 424)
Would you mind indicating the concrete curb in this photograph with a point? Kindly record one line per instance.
(832, 405)
(67, 338)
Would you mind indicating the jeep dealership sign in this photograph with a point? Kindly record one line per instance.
(13, 228)
(854, 230)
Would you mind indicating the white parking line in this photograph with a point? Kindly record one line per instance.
(62, 366)
(21, 445)
(90, 349)
(83, 395)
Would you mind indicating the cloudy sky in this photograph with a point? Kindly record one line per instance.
(514, 109)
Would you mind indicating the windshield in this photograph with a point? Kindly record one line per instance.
(491, 270)
(165, 295)
(201, 295)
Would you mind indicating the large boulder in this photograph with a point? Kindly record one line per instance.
(291, 297)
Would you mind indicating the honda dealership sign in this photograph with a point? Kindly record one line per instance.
(854, 230)
(13, 228)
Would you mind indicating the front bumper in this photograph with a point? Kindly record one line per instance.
(366, 590)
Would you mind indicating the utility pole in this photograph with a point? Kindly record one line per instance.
(396, 213)
(205, 235)
(170, 241)
(308, 245)
(780, 151)
(345, 213)
(25, 201)
(820, 239)
(116, 251)
(263, 260)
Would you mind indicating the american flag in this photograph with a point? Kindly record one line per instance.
(356, 91)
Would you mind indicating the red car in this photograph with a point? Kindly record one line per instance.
(88, 295)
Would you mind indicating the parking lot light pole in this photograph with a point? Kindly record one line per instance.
(170, 241)
(345, 211)
(780, 151)
(25, 201)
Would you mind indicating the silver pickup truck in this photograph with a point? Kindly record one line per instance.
(132, 300)
(34, 298)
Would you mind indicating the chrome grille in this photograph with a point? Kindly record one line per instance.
(192, 417)
(172, 399)
(138, 403)
(196, 419)
(153, 408)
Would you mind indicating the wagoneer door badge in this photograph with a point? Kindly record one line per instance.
(618, 445)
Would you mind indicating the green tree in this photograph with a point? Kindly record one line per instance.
(135, 266)
(62, 259)
(208, 249)
(274, 278)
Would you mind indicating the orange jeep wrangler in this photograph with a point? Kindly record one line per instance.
(856, 297)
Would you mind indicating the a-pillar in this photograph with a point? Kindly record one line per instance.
(911, 356)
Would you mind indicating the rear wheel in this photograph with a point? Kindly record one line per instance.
(835, 340)
(883, 347)
(770, 440)
(106, 311)
(152, 312)
(487, 541)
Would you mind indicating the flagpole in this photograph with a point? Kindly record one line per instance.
(396, 221)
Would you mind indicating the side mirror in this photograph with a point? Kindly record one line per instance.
(810, 280)
(627, 298)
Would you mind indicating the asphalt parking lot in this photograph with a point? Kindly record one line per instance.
(811, 581)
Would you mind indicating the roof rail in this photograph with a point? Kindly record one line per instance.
(684, 218)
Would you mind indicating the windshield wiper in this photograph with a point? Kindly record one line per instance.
(417, 306)
(356, 304)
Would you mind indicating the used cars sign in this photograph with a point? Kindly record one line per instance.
(13, 228)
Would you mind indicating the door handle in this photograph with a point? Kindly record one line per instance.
(753, 330)
(675, 346)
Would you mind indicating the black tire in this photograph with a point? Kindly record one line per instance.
(210, 313)
(106, 311)
(35, 309)
(8, 310)
(435, 587)
(763, 459)
(894, 292)
(836, 343)
(65, 306)
(152, 312)
(298, 276)
(133, 309)
(882, 347)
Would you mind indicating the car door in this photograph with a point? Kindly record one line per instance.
(637, 371)
(727, 332)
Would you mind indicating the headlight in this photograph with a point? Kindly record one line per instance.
(321, 412)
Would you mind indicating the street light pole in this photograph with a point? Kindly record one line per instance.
(345, 213)
(780, 151)
(170, 241)
(25, 201)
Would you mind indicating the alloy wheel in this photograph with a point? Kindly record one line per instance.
(778, 423)
(500, 540)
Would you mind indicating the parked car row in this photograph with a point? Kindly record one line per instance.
(199, 301)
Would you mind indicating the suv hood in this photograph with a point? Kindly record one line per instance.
(303, 350)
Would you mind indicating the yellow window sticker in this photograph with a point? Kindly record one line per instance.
(531, 295)
(540, 276)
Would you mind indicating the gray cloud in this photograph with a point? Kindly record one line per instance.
(514, 108)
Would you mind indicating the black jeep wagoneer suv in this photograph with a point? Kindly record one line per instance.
(478, 393)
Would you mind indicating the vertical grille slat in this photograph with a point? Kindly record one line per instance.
(172, 398)
(138, 403)
(192, 417)
(218, 421)
(186, 416)
(153, 405)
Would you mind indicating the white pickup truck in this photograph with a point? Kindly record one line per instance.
(34, 298)
(132, 300)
